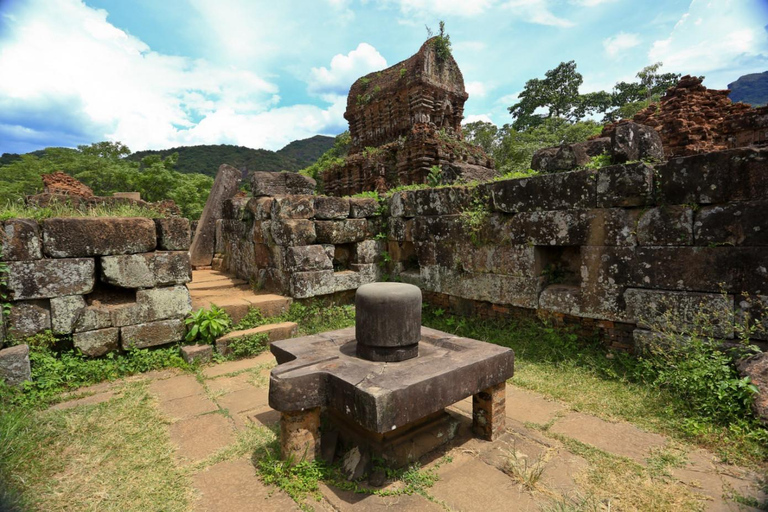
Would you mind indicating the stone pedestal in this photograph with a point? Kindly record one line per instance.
(489, 412)
(300, 435)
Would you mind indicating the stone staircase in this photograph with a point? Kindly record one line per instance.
(236, 297)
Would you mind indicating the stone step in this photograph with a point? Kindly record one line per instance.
(237, 304)
(216, 284)
(274, 332)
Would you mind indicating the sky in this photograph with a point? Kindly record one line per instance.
(158, 74)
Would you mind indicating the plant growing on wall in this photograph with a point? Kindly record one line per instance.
(435, 176)
(441, 43)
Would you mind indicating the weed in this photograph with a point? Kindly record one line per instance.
(599, 161)
(435, 176)
(474, 218)
(522, 470)
(205, 325)
(248, 346)
(20, 210)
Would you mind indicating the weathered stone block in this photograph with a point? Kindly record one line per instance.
(514, 260)
(64, 312)
(154, 304)
(359, 275)
(14, 365)
(400, 229)
(290, 232)
(560, 298)
(29, 317)
(561, 158)
(632, 141)
(562, 191)
(341, 231)
(556, 227)
(261, 232)
(306, 258)
(704, 314)
(235, 208)
(585, 151)
(99, 236)
(327, 207)
(743, 223)
(367, 251)
(260, 207)
(605, 274)
(402, 204)
(625, 185)
(300, 435)
(97, 343)
(293, 207)
(361, 207)
(718, 177)
(92, 318)
(21, 240)
(281, 183)
(42, 279)
(441, 201)
(298, 184)
(733, 269)
(666, 225)
(171, 268)
(613, 227)
(437, 229)
(224, 187)
(310, 284)
(197, 353)
(146, 270)
(752, 316)
(756, 368)
(173, 234)
(152, 334)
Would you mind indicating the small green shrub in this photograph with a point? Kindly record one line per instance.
(205, 325)
(599, 161)
(247, 346)
(441, 43)
(435, 176)
(473, 218)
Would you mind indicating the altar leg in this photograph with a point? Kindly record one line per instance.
(488, 412)
(300, 435)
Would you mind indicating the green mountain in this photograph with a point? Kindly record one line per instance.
(751, 89)
(206, 159)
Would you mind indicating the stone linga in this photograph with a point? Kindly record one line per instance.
(403, 121)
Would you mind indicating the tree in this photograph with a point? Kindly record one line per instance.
(558, 93)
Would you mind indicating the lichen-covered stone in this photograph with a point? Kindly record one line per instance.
(224, 187)
(632, 141)
(310, 284)
(625, 185)
(328, 207)
(743, 223)
(666, 225)
(93, 317)
(73, 237)
(514, 260)
(65, 311)
(706, 314)
(293, 207)
(361, 207)
(235, 208)
(441, 201)
(307, 257)
(756, 368)
(21, 240)
(97, 343)
(260, 207)
(154, 304)
(14, 365)
(173, 234)
(197, 353)
(281, 183)
(554, 159)
(290, 232)
(560, 298)
(43, 279)
(367, 251)
(605, 274)
(152, 334)
(561, 191)
(556, 227)
(29, 317)
(436, 229)
(146, 270)
(341, 231)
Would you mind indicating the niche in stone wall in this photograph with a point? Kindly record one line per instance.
(558, 265)
(342, 257)
(107, 295)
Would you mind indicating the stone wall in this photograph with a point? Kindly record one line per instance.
(112, 283)
(299, 245)
(599, 248)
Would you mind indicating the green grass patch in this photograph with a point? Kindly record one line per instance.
(19, 210)
(312, 317)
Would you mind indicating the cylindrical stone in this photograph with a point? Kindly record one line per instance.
(387, 321)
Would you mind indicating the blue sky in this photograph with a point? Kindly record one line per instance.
(155, 74)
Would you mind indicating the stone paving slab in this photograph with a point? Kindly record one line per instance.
(529, 407)
(98, 398)
(187, 407)
(244, 400)
(218, 370)
(346, 501)
(229, 384)
(468, 483)
(623, 439)
(264, 417)
(234, 487)
(199, 437)
(180, 386)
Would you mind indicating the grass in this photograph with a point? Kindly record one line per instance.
(550, 361)
(18, 210)
(114, 456)
(312, 317)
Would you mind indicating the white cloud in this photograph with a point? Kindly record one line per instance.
(537, 12)
(715, 36)
(591, 3)
(619, 43)
(445, 7)
(476, 89)
(345, 69)
(477, 117)
(99, 82)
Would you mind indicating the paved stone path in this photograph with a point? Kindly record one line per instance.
(208, 413)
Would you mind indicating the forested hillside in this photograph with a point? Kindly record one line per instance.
(206, 159)
(751, 89)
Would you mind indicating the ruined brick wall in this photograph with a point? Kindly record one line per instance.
(692, 119)
(112, 283)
